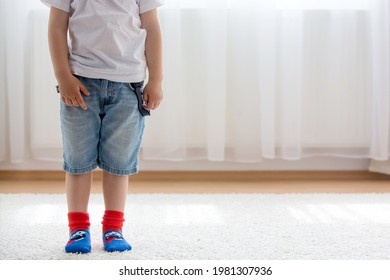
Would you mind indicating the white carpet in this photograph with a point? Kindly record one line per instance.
(250, 226)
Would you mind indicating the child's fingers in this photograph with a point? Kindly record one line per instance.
(84, 90)
(75, 101)
(68, 102)
(146, 97)
(80, 102)
(148, 101)
(149, 106)
(157, 104)
(152, 103)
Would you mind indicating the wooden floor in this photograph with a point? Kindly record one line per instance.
(211, 182)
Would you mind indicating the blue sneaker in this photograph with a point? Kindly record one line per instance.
(114, 242)
(79, 242)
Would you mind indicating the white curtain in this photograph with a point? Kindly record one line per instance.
(245, 80)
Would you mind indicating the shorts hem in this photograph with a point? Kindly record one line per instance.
(79, 171)
(119, 172)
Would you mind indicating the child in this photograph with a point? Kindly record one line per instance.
(100, 78)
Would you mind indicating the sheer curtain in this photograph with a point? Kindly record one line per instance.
(245, 80)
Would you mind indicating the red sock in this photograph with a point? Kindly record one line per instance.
(78, 221)
(112, 220)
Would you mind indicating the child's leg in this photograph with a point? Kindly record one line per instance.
(80, 135)
(78, 188)
(120, 139)
(115, 192)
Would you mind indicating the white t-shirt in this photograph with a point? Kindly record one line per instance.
(106, 41)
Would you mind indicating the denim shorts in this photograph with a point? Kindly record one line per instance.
(108, 134)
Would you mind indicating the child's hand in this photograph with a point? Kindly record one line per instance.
(71, 89)
(152, 95)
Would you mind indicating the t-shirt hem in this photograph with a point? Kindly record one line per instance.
(112, 77)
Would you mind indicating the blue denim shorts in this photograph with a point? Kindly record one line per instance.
(108, 134)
